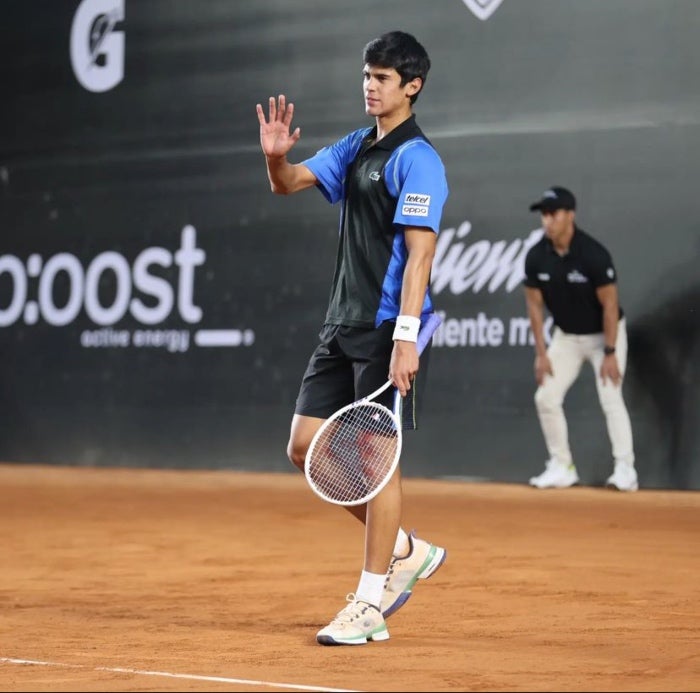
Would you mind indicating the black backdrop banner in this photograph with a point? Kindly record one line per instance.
(158, 303)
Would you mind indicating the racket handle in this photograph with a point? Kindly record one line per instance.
(427, 331)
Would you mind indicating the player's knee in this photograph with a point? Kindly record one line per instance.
(296, 454)
(545, 401)
(611, 404)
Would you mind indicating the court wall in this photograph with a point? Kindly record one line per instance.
(158, 303)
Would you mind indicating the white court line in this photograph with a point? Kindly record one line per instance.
(193, 677)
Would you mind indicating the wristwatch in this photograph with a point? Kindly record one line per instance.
(607, 350)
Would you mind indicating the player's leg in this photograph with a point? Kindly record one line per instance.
(393, 561)
(410, 558)
(361, 620)
(301, 433)
(327, 385)
(370, 351)
(383, 520)
(566, 359)
(617, 418)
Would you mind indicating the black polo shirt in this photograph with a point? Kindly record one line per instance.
(568, 283)
(383, 187)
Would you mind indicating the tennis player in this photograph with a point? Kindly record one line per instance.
(391, 186)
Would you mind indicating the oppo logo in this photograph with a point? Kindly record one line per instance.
(414, 211)
(96, 49)
(64, 287)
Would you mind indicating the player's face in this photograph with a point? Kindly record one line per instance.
(557, 224)
(383, 92)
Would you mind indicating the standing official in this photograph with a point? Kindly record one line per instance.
(573, 276)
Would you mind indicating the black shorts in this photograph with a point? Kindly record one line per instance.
(350, 363)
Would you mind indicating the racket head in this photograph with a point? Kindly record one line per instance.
(354, 453)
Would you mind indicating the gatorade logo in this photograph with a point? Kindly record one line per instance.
(96, 49)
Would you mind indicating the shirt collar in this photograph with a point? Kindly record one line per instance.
(399, 134)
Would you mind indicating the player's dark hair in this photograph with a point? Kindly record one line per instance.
(401, 51)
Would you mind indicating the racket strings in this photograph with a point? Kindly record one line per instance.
(354, 452)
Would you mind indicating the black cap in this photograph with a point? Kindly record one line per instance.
(554, 198)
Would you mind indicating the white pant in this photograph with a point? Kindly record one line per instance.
(567, 352)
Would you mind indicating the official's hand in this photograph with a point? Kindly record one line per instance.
(610, 369)
(403, 365)
(543, 367)
(276, 138)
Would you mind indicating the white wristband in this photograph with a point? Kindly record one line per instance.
(406, 329)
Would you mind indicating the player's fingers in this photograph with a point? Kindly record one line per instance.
(399, 383)
(261, 114)
(281, 107)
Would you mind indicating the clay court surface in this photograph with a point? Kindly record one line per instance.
(148, 580)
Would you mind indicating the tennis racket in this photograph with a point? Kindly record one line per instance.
(354, 453)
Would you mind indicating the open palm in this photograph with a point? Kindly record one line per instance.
(276, 137)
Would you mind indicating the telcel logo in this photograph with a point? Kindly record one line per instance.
(96, 49)
(417, 199)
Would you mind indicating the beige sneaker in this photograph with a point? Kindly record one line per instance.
(358, 623)
(421, 562)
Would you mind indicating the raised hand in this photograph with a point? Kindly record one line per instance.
(276, 137)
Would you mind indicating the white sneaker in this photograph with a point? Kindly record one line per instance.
(356, 624)
(624, 478)
(556, 475)
(422, 561)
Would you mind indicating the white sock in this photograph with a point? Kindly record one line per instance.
(370, 588)
(401, 547)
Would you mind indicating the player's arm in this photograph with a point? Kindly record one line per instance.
(608, 297)
(276, 141)
(535, 311)
(286, 178)
(420, 245)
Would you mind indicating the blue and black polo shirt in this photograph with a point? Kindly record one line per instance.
(568, 283)
(383, 187)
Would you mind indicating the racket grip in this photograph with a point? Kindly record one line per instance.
(427, 331)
